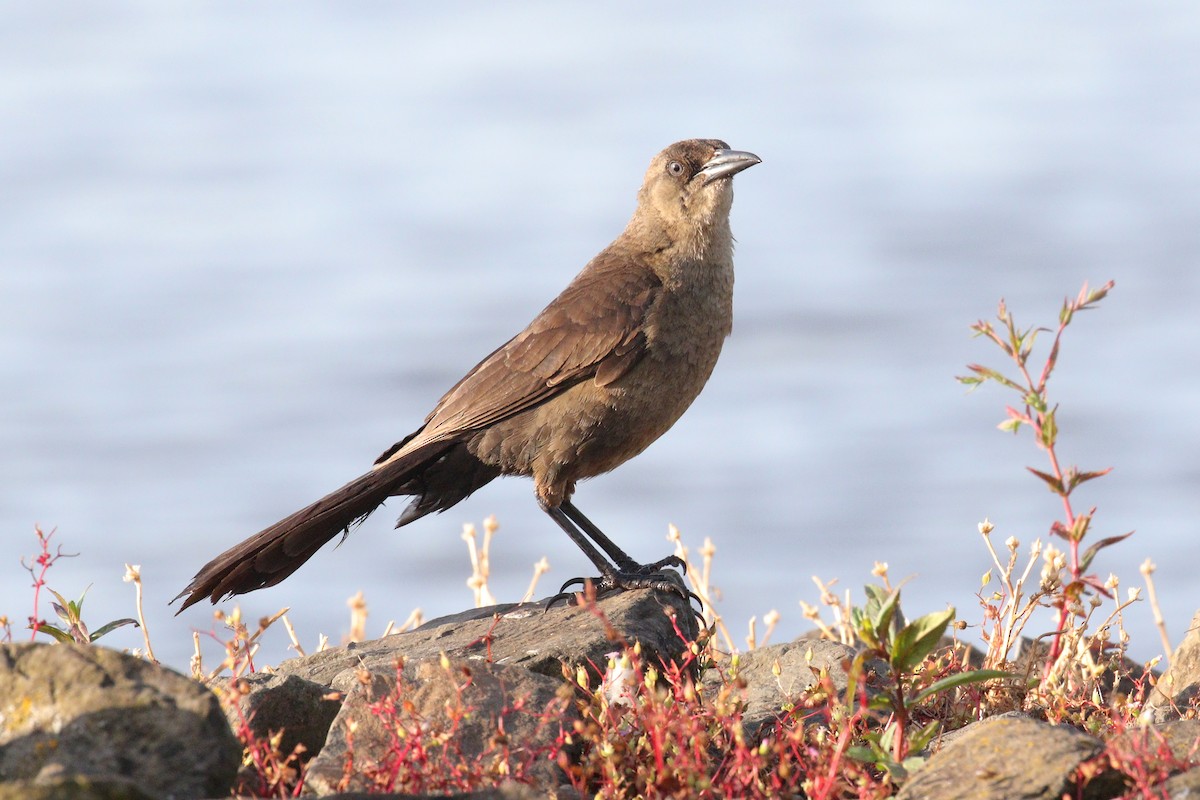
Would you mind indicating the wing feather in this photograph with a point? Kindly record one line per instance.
(592, 330)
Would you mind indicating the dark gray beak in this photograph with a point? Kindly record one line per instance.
(727, 163)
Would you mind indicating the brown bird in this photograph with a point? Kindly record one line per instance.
(599, 374)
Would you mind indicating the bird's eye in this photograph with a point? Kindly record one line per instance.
(675, 168)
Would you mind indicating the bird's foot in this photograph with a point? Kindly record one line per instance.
(657, 568)
(647, 576)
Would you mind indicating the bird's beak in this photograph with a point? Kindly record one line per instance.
(726, 163)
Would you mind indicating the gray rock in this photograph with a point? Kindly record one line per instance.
(303, 710)
(799, 664)
(1184, 786)
(487, 707)
(943, 740)
(1182, 738)
(75, 788)
(74, 711)
(524, 635)
(1179, 686)
(1005, 758)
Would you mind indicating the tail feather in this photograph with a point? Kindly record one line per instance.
(276, 552)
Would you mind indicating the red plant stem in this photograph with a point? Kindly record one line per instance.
(900, 748)
(1038, 423)
(45, 561)
(1064, 611)
(829, 781)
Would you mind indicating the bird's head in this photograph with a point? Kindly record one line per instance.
(688, 191)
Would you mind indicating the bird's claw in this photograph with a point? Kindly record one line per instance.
(659, 566)
(648, 576)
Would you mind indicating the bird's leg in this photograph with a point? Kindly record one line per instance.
(589, 550)
(620, 557)
(619, 577)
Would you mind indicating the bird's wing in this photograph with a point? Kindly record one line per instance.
(593, 330)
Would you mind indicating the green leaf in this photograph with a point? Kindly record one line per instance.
(959, 679)
(1064, 316)
(882, 702)
(888, 738)
(876, 596)
(919, 740)
(885, 607)
(860, 753)
(1085, 560)
(1080, 528)
(1011, 424)
(852, 675)
(1052, 481)
(918, 639)
(1051, 363)
(1050, 428)
(1100, 294)
(63, 603)
(1074, 477)
(112, 626)
(54, 631)
(987, 373)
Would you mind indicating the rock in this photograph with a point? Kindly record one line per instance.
(524, 642)
(799, 664)
(1179, 686)
(303, 710)
(75, 788)
(945, 739)
(1184, 786)
(1004, 758)
(525, 635)
(1182, 738)
(487, 707)
(76, 714)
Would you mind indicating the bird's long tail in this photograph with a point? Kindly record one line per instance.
(271, 555)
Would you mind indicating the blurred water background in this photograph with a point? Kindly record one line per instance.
(245, 247)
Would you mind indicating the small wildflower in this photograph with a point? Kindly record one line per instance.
(880, 569)
(986, 526)
(133, 573)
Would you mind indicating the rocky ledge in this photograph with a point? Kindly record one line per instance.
(86, 722)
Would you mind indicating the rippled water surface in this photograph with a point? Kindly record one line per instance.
(244, 248)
